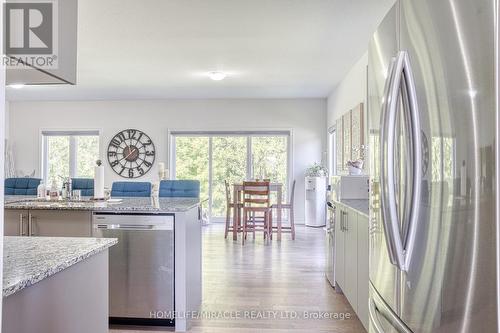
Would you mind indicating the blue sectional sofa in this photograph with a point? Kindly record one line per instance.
(131, 189)
(86, 185)
(21, 186)
(179, 188)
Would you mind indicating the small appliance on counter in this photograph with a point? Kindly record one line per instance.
(350, 187)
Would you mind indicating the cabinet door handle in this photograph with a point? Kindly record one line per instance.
(341, 221)
(347, 222)
(30, 225)
(21, 224)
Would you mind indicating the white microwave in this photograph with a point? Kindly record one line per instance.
(350, 187)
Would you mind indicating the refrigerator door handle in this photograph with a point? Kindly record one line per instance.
(376, 308)
(399, 251)
(416, 159)
(387, 137)
(372, 312)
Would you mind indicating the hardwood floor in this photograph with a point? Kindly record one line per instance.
(271, 283)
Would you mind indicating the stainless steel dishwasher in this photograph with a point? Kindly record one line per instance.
(141, 266)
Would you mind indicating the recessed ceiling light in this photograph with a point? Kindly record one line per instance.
(16, 85)
(217, 76)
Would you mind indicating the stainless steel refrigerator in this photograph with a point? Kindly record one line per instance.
(432, 99)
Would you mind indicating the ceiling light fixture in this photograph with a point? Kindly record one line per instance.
(16, 85)
(217, 76)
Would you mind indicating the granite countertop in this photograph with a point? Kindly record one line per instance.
(28, 260)
(149, 204)
(360, 205)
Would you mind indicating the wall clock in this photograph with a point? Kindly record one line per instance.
(131, 153)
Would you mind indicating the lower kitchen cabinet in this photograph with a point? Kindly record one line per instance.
(15, 222)
(339, 247)
(57, 223)
(50, 223)
(363, 269)
(351, 254)
(351, 258)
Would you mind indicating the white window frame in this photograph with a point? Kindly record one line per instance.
(44, 134)
(172, 134)
(332, 151)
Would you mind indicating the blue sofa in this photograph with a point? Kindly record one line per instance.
(21, 186)
(86, 185)
(131, 189)
(179, 188)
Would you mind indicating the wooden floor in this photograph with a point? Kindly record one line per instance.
(260, 280)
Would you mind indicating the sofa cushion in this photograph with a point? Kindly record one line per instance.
(86, 185)
(131, 189)
(180, 188)
(21, 186)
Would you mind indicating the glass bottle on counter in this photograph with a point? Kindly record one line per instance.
(54, 192)
(41, 191)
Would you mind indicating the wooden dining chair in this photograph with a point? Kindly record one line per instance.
(256, 208)
(291, 217)
(231, 205)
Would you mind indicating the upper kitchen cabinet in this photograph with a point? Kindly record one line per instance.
(41, 42)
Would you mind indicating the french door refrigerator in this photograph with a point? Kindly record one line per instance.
(432, 119)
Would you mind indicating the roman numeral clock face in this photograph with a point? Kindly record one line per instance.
(131, 153)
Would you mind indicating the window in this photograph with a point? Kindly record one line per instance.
(69, 154)
(213, 158)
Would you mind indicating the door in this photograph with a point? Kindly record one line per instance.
(450, 284)
(15, 222)
(339, 247)
(382, 49)
(351, 257)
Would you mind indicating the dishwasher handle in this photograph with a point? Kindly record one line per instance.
(132, 227)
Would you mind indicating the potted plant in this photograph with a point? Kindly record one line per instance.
(316, 170)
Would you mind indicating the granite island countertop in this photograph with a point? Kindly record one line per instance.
(28, 260)
(360, 205)
(149, 204)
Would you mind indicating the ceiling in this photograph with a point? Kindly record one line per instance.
(157, 49)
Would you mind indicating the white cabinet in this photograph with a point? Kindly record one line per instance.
(363, 269)
(351, 258)
(339, 247)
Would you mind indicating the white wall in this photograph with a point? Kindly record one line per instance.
(350, 92)
(306, 118)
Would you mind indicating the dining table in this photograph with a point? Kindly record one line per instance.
(273, 187)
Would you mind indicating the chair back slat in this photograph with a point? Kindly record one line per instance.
(256, 193)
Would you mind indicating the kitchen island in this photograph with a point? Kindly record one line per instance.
(49, 282)
(25, 216)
